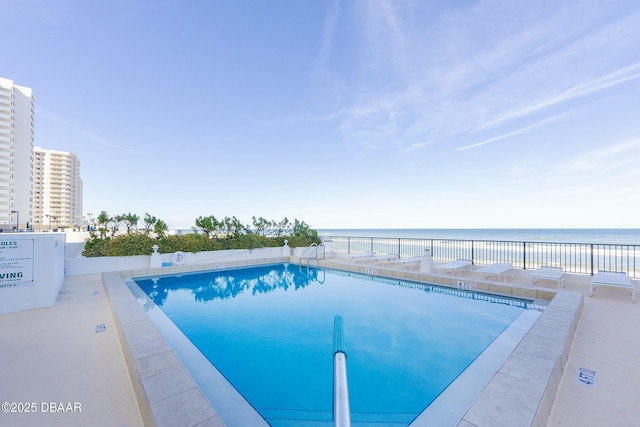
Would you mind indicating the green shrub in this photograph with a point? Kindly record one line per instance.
(94, 247)
(133, 244)
(298, 240)
(250, 241)
(186, 243)
(125, 245)
(238, 237)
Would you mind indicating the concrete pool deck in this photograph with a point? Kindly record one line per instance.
(57, 355)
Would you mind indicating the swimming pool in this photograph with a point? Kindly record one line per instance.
(268, 329)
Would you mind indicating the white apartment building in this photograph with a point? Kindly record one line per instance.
(16, 155)
(57, 190)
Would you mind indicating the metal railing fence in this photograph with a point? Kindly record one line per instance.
(581, 258)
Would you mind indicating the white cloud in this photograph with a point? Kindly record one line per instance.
(458, 76)
(326, 81)
(584, 88)
(530, 128)
(615, 157)
(414, 147)
(386, 36)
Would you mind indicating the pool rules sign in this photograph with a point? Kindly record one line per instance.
(16, 262)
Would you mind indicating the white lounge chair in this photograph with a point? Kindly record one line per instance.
(378, 257)
(497, 268)
(546, 272)
(407, 260)
(362, 255)
(458, 265)
(613, 278)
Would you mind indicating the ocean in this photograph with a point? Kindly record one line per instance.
(619, 236)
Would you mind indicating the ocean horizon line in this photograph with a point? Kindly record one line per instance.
(624, 236)
(478, 228)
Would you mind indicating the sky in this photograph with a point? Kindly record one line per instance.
(342, 114)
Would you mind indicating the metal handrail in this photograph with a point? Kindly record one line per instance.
(580, 258)
(341, 411)
(313, 248)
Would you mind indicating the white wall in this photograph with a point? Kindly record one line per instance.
(95, 265)
(80, 265)
(43, 265)
(74, 249)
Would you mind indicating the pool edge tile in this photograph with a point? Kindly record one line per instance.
(194, 410)
(551, 359)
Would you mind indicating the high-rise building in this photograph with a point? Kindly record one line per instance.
(16, 155)
(58, 190)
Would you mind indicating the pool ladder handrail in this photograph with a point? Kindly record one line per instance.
(341, 411)
(312, 252)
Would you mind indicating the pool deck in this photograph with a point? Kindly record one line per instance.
(60, 354)
(55, 355)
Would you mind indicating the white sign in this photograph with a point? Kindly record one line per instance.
(587, 376)
(16, 262)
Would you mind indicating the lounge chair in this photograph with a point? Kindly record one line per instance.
(613, 278)
(407, 260)
(497, 268)
(457, 265)
(362, 255)
(378, 257)
(546, 272)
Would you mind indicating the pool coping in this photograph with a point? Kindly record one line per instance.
(166, 393)
(523, 390)
(521, 393)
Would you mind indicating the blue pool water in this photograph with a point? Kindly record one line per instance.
(269, 331)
